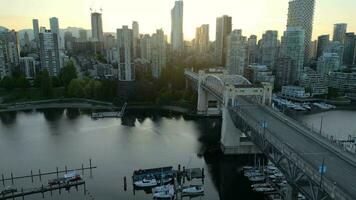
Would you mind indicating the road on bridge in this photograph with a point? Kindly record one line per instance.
(340, 170)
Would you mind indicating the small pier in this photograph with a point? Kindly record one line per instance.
(114, 114)
(43, 189)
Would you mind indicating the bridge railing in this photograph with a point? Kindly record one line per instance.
(311, 171)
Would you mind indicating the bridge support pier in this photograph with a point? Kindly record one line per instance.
(292, 194)
(232, 139)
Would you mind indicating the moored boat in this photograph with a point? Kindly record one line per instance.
(163, 192)
(193, 190)
(147, 182)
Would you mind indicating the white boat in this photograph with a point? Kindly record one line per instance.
(163, 192)
(148, 181)
(193, 190)
(257, 178)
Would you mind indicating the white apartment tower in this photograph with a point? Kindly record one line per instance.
(97, 27)
(125, 51)
(301, 14)
(236, 53)
(49, 52)
(177, 40)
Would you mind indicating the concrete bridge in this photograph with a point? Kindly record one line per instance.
(296, 150)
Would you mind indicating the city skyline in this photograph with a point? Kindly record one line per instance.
(267, 15)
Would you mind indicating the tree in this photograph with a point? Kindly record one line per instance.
(68, 73)
(46, 84)
(22, 83)
(8, 83)
(76, 88)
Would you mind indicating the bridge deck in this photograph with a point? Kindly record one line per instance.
(340, 169)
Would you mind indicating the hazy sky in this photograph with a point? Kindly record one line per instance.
(252, 16)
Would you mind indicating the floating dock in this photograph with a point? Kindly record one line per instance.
(43, 190)
(113, 114)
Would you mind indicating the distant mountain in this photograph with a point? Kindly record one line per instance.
(2, 29)
(73, 30)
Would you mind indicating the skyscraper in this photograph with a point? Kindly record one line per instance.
(339, 32)
(323, 42)
(49, 52)
(223, 29)
(158, 53)
(177, 40)
(136, 37)
(349, 48)
(236, 52)
(269, 48)
(301, 14)
(36, 30)
(54, 25)
(252, 50)
(96, 27)
(125, 51)
(202, 38)
(292, 47)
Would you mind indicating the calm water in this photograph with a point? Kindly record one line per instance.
(47, 139)
(338, 123)
(55, 138)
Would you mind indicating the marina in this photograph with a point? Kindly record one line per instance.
(168, 183)
(267, 180)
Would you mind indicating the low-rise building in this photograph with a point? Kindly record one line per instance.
(316, 83)
(344, 82)
(28, 67)
(294, 91)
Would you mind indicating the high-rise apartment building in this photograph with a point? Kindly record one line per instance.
(158, 53)
(323, 42)
(252, 50)
(236, 53)
(301, 14)
(96, 27)
(126, 66)
(202, 38)
(339, 32)
(223, 29)
(36, 30)
(349, 48)
(292, 47)
(136, 38)
(145, 47)
(177, 41)
(49, 52)
(269, 48)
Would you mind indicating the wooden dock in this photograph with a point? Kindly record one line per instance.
(43, 189)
